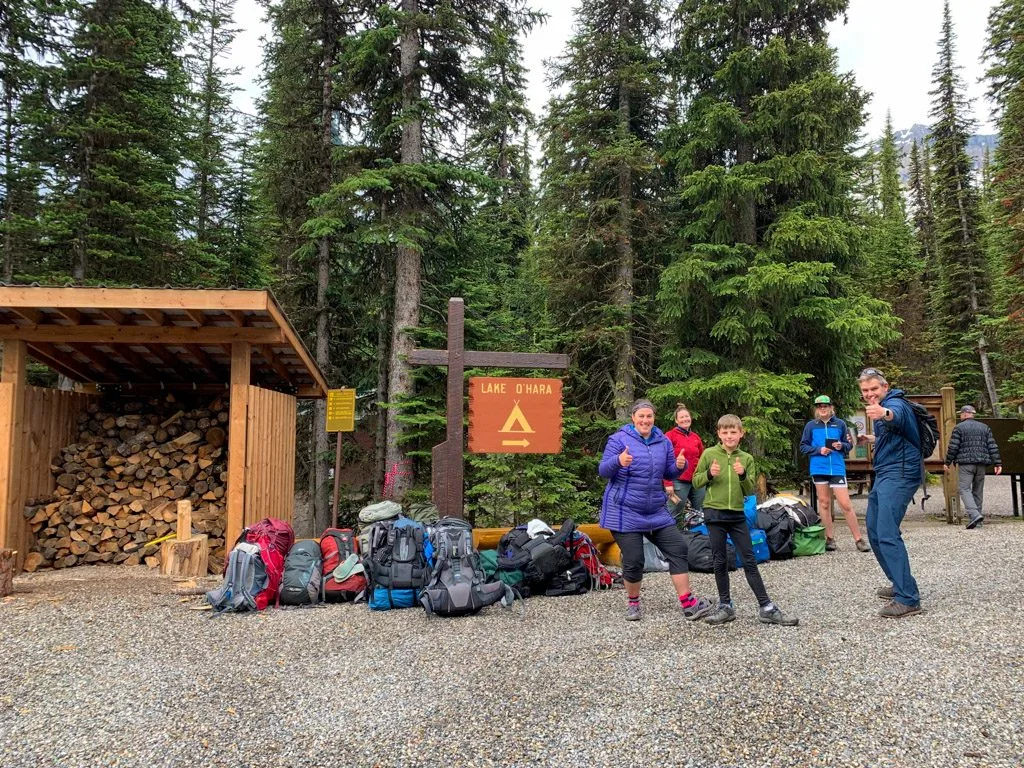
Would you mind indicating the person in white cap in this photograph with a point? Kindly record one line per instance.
(826, 442)
(972, 448)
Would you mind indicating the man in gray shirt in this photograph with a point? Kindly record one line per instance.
(972, 448)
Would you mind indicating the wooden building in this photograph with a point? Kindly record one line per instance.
(142, 340)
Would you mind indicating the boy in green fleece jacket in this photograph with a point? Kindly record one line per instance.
(728, 473)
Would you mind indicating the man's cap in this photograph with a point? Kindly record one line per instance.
(968, 409)
(822, 400)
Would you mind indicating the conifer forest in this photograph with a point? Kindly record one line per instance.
(697, 215)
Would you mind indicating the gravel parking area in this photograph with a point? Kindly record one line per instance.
(106, 666)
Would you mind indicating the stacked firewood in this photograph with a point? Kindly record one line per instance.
(118, 485)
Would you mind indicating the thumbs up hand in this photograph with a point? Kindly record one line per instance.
(680, 461)
(716, 468)
(737, 467)
(624, 458)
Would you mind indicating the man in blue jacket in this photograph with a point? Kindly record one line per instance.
(898, 471)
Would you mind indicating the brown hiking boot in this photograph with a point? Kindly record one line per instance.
(886, 593)
(894, 610)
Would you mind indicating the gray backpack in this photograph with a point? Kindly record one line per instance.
(302, 583)
(457, 585)
(244, 578)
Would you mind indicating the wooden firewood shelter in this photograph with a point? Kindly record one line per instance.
(143, 341)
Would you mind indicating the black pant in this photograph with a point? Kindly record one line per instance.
(740, 533)
(668, 539)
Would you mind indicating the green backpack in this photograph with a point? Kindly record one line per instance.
(489, 563)
(809, 540)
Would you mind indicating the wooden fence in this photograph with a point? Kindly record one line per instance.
(270, 456)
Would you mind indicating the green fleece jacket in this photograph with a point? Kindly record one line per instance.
(728, 489)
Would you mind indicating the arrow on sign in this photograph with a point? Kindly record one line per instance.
(522, 443)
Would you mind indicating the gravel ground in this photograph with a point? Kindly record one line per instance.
(106, 666)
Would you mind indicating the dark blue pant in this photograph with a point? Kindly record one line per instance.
(890, 495)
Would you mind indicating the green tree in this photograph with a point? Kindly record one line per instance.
(599, 198)
(111, 213)
(894, 268)
(761, 299)
(1004, 55)
(962, 300)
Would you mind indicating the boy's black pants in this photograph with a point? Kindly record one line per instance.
(720, 524)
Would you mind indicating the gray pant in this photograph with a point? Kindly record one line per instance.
(972, 488)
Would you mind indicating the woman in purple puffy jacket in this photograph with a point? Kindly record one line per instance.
(636, 460)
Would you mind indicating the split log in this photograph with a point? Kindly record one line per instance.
(8, 560)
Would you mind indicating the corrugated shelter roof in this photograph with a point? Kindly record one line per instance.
(164, 337)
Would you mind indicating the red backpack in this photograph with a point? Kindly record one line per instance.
(584, 551)
(274, 538)
(344, 576)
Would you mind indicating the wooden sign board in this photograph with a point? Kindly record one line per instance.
(341, 410)
(511, 415)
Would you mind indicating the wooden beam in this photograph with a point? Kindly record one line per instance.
(136, 360)
(195, 316)
(141, 334)
(474, 359)
(241, 373)
(102, 363)
(68, 313)
(13, 376)
(155, 315)
(296, 343)
(204, 360)
(113, 315)
(173, 362)
(239, 317)
(121, 298)
(268, 354)
(28, 313)
(59, 361)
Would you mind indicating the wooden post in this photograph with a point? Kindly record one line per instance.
(241, 358)
(950, 486)
(12, 408)
(337, 482)
(7, 563)
(187, 555)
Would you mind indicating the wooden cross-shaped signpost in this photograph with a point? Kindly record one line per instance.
(446, 466)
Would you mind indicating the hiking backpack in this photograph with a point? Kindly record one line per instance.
(398, 563)
(583, 551)
(245, 577)
(539, 557)
(927, 428)
(779, 528)
(457, 584)
(302, 582)
(255, 565)
(344, 574)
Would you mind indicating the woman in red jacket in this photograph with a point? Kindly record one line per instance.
(688, 442)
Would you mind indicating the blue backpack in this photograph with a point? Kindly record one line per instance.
(397, 562)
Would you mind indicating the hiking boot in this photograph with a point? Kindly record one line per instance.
(862, 546)
(894, 610)
(633, 612)
(722, 615)
(830, 545)
(886, 593)
(975, 523)
(774, 615)
(699, 609)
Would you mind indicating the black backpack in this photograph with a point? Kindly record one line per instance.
(302, 583)
(699, 555)
(927, 428)
(539, 558)
(779, 528)
(457, 584)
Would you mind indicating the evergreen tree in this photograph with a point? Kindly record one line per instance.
(112, 210)
(1005, 57)
(921, 213)
(962, 301)
(599, 207)
(761, 297)
(894, 268)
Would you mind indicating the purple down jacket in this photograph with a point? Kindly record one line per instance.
(634, 499)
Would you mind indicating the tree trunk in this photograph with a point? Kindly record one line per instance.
(407, 260)
(381, 432)
(623, 294)
(7, 272)
(322, 464)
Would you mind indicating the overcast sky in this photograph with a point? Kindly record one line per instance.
(890, 45)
